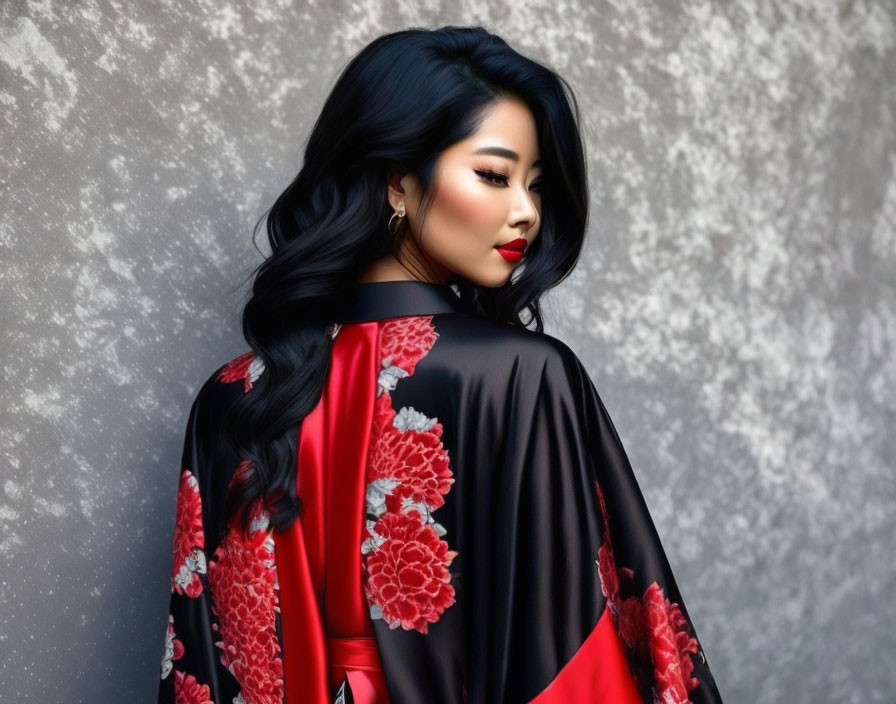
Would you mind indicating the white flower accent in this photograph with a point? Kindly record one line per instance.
(194, 562)
(260, 522)
(340, 695)
(238, 699)
(374, 541)
(408, 418)
(271, 562)
(256, 367)
(408, 505)
(425, 511)
(169, 648)
(389, 376)
(376, 495)
(669, 698)
(376, 611)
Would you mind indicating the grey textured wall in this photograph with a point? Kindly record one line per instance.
(736, 303)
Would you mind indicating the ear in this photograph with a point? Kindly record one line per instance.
(394, 177)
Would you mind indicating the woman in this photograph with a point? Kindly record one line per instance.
(403, 493)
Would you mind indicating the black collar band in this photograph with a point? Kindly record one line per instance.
(377, 300)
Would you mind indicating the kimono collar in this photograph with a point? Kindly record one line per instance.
(376, 300)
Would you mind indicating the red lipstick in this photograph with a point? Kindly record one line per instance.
(513, 251)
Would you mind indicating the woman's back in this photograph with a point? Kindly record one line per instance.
(472, 532)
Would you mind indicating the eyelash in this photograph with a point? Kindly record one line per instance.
(496, 179)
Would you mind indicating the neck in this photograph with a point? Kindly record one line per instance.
(409, 265)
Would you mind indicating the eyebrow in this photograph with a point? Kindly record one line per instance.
(506, 153)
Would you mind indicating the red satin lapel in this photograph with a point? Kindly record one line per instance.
(303, 639)
(326, 629)
(352, 382)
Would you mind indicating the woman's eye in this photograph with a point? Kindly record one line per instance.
(536, 186)
(492, 177)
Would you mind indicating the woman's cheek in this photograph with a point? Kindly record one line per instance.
(469, 204)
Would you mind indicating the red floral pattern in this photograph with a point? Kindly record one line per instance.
(243, 580)
(187, 690)
(174, 649)
(405, 341)
(407, 582)
(632, 619)
(652, 627)
(417, 459)
(670, 645)
(408, 575)
(246, 368)
(189, 539)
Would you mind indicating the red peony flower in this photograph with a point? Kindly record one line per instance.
(243, 581)
(383, 414)
(407, 340)
(408, 576)
(609, 580)
(655, 624)
(632, 621)
(187, 690)
(407, 580)
(176, 646)
(670, 644)
(174, 649)
(418, 460)
(244, 368)
(189, 538)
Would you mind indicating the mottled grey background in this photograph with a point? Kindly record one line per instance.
(736, 304)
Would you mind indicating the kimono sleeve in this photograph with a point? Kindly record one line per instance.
(190, 669)
(585, 606)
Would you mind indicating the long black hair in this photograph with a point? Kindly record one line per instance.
(405, 98)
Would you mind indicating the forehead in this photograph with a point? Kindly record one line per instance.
(508, 123)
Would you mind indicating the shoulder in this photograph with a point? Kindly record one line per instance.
(208, 461)
(510, 341)
(243, 371)
(505, 355)
(225, 383)
(515, 389)
(205, 453)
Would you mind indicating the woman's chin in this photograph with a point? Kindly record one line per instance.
(491, 279)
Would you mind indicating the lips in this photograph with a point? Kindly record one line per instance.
(513, 251)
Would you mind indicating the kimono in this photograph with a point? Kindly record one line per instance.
(472, 532)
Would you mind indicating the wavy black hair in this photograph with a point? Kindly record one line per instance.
(405, 98)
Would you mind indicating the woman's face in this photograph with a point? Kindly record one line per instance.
(487, 194)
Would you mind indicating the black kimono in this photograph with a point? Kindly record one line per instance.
(472, 532)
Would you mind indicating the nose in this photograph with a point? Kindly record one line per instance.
(523, 211)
